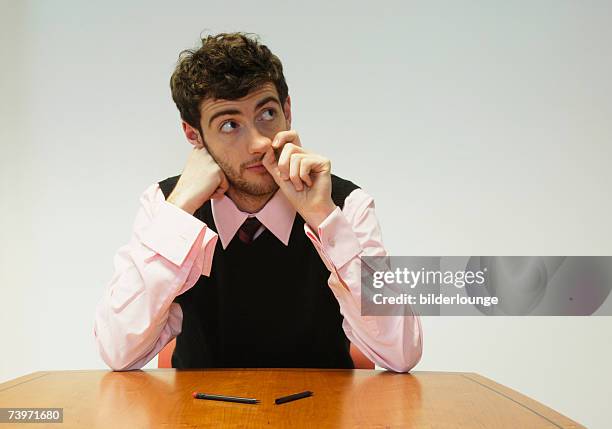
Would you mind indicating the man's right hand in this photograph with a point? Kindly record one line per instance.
(202, 179)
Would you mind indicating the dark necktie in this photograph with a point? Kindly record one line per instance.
(248, 229)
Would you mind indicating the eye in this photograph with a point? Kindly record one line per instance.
(268, 114)
(228, 126)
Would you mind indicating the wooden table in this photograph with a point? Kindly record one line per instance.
(342, 398)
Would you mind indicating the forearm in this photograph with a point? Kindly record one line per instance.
(168, 251)
(134, 310)
(392, 342)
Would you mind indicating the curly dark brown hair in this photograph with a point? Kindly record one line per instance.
(227, 66)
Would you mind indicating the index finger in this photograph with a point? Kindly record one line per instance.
(283, 137)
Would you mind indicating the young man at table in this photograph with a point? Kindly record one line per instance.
(251, 257)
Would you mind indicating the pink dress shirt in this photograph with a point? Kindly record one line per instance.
(169, 249)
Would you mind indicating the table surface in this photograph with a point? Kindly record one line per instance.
(342, 398)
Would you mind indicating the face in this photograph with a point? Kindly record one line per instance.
(237, 134)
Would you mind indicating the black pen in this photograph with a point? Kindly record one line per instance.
(197, 395)
(293, 397)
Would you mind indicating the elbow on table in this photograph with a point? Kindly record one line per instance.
(411, 355)
(113, 357)
(410, 362)
(117, 362)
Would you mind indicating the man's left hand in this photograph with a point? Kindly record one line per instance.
(304, 177)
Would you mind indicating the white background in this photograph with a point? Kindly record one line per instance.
(481, 128)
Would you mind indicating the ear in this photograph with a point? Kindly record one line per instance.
(287, 110)
(193, 135)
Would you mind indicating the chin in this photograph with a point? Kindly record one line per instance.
(267, 187)
(260, 186)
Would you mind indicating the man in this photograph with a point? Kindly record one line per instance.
(251, 257)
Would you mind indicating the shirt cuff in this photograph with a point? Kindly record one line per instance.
(336, 239)
(172, 232)
(208, 246)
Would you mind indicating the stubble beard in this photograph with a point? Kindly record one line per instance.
(242, 185)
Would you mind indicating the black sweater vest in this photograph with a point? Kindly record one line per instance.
(265, 305)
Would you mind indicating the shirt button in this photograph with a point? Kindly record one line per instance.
(331, 242)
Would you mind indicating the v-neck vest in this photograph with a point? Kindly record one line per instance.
(264, 305)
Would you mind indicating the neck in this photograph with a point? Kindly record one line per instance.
(249, 203)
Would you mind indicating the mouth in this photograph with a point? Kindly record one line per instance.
(257, 168)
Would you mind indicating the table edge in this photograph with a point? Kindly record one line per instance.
(21, 380)
(531, 404)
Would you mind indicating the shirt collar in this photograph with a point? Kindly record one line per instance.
(277, 215)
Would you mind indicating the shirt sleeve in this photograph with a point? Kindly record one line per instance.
(168, 251)
(392, 342)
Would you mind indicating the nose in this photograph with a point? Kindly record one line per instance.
(258, 143)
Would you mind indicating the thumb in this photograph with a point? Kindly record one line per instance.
(221, 188)
(224, 185)
(217, 195)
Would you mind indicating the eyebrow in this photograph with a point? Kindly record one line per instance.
(261, 103)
